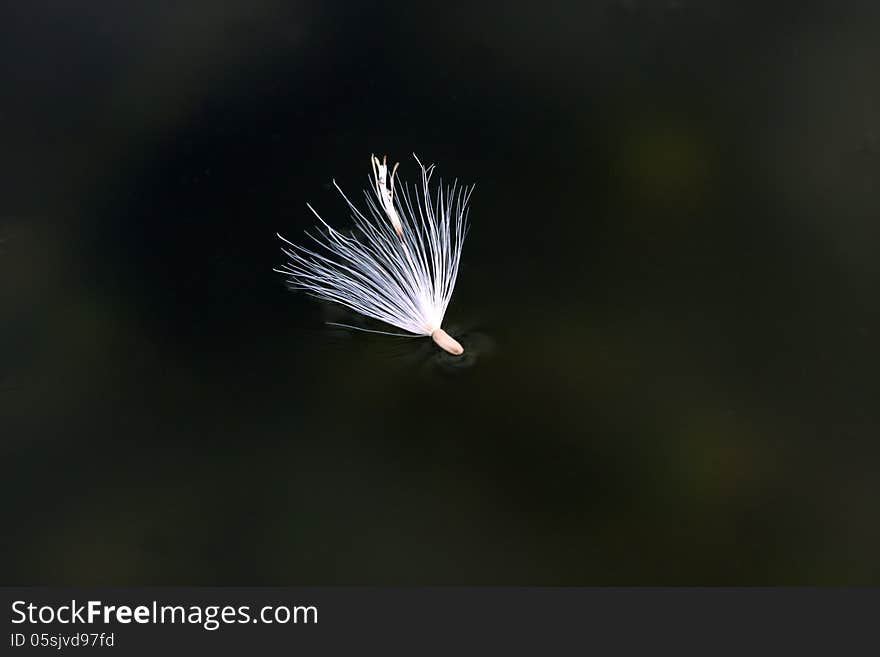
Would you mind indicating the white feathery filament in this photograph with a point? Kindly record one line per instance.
(399, 265)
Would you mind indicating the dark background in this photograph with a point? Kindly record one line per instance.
(669, 295)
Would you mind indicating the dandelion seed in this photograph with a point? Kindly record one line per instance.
(400, 264)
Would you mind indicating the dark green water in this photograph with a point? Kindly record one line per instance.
(669, 295)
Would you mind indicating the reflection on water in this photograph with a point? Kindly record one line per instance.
(413, 354)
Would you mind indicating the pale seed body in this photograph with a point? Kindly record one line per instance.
(447, 342)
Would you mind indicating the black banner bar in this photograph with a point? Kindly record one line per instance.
(450, 621)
